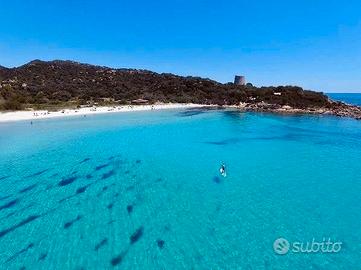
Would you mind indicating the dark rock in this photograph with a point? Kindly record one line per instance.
(130, 209)
(160, 243)
(9, 204)
(42, 256)
(136, 235)
(97, 168)
(67, 181)
(68, 224)
(100, 244)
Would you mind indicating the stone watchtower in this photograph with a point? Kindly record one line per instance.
(239, 80)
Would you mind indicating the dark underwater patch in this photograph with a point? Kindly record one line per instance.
(111, 221)
(37, 173)
(108, 174)
(224, 142)
(20, 224)
(101, 244)
(81, 189)
(118, 259)
(20, 210)
(97, 168)
(198, 111)
(5, 197)
(10, 214)
(110, 206)
(136, 235)
(4, 177)
(66, 198)
(70, 223)
(138, 161)
(31, 245)
(217, 179)
(42, 256)
(9, 204)
(26, 189)
(67, 181)
(105, 188)
(130, 188)
(88, 176)
(84, 160)
(283, 137)
(235, 116)
(191, 112)
(130, 209)
(160, 243)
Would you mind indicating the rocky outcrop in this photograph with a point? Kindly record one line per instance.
(334, 108)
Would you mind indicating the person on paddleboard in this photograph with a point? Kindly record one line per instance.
(222, 170)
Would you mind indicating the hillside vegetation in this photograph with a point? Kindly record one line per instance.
(65, 83)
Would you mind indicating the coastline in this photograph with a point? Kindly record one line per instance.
(44, 114)
(339, 109)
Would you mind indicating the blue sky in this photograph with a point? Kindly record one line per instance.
(315, 44)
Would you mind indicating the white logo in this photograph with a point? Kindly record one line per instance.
(281, 246)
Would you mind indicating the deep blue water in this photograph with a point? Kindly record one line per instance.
(351, 98)
(142, 190)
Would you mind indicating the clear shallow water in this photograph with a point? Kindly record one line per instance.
(141, 191)
(351, 98)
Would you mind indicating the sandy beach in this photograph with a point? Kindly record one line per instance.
(43, 114)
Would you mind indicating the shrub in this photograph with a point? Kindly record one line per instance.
(12, 105)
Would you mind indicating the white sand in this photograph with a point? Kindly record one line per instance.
(33, 115)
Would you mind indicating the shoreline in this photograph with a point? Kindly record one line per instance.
(339, 109)
(45, 114)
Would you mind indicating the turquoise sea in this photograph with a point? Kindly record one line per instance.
(350, 98)
(142, 190)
